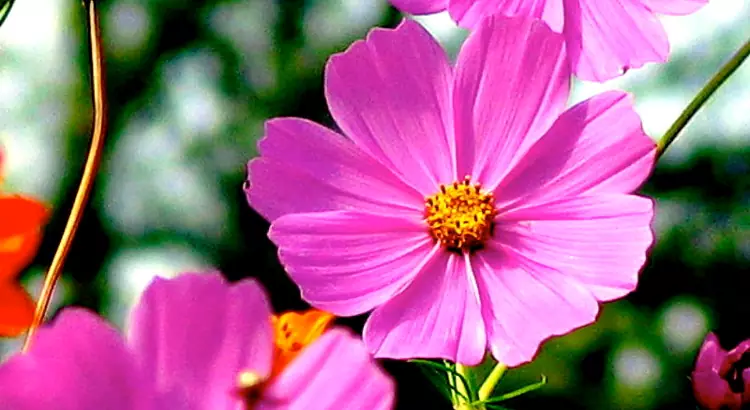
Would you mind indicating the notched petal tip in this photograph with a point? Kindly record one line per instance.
(403, 29)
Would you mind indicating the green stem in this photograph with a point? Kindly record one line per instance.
(703, 95)
(491, 381)
(462, 398)
(5, 11)
(465, 396)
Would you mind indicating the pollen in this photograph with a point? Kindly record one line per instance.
(248, 380)
(461, 215)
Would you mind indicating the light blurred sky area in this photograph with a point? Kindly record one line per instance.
(151, 181)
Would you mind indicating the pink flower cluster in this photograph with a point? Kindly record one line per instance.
(463, 204)
(191, 341)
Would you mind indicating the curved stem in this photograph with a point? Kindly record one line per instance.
(703, 95)
(5, 11)
(87, 180)
(491, 381)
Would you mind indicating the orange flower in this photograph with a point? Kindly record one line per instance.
(21, 220)
(294, 331)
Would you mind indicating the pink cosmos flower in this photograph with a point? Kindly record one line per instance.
(604, 38)
(467, 207)
(195, 343)
(721, 379)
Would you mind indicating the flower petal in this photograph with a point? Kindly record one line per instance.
(17, 251)
(391, 95)
(734, 356)
(597, 146)
(599, 241)
(308, 168)
(711, 355)
(335, 372)
(468, 13)
(525, 302)
(713, 393)
(607, 38)
(674, 7)
(77, 362)
(420, 6)
(437, 316)
(16, 310)
(349, 262)
(19, 215)
(21, 220)
(512, 81)
(197, 333)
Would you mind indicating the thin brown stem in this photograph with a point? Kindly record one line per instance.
(87, 180)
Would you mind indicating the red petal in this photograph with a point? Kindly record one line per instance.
(16, 310)
(19, 215)
(20, 233)
(16, 252)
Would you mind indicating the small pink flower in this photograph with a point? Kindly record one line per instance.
(721, 379)
(195, 343)
(604, 38)
(467, 207)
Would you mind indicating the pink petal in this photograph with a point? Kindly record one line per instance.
(713, 393)
(197, 333)
(739, 351)
(391, 95)
(674, 7)
(335, 372)
(468, 13)
(606, 38)
(524, 302)
(597, 146)
(305, 167)
(349, 262)
(77, 362)
(734, 356)
(599, 241)
(437, 316)
(420, 6)
(512, 82)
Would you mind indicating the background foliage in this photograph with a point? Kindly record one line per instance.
(190, 83)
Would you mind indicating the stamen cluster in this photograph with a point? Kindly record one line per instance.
(461, 215)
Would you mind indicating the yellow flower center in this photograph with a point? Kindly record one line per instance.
(461, 215)
(293, 332)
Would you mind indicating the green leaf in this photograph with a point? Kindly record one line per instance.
(439, 381)
(496, 407)
(515, 393)
(445, 378)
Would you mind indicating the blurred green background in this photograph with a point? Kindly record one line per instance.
(190, 84)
